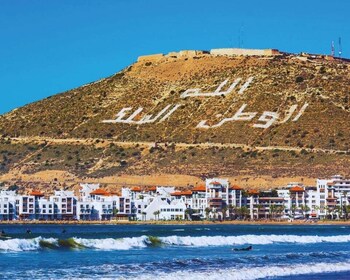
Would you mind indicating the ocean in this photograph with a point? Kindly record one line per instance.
(175, 252)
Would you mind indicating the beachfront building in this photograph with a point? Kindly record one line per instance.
(270, 207)
(96, 204)
(26, 207)
(198, 202)
(64, 205)
(217, 199)
(46, 209)
(161, 208)
(334, 196)
(8, 205)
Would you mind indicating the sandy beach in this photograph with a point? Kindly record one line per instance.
(205, 222)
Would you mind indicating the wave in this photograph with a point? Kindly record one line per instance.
(252, 273)
(18, 244)
(148, 241)
(202, 241)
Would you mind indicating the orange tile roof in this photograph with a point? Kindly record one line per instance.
(136, 189)
(252, 192)
(116, 193)
(100, 192)
(152, 189)
(36, 193)
(235, 187)
(215, 183)
(199, 189)
(296, 189)
(182, 193)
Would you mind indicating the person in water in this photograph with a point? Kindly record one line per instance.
(243, 249)
(64, 231)
(28, 231)
(2, 233)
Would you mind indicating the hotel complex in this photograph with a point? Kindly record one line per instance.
(217, 199)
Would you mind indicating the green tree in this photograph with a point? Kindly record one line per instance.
(207, 212)
(224, 212)
(156, 214)
(115, 212)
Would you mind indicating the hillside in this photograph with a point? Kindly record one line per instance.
(263, 115)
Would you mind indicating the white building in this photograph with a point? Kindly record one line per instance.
(8, 205)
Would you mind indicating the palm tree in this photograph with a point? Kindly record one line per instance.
(188, 212)
(316, 208)
(273, 209)
(326, 209)
(347, 211)
(243, 212)
(156, 214)
(207, 211)
(231, 208)
(224, 212)
(144, 216)
(293, 209)
(280, 210)
(304, 209)
(258, 207)
(115, 212)
(338, 211)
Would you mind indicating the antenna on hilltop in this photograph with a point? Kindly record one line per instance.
(332, 48)
(340, 49)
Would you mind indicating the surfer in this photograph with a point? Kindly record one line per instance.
(28, 231)
(243, 249)
(3, 235)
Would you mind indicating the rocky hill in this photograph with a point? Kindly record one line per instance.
(235, 113)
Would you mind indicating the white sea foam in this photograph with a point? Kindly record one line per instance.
(252, 273)
(202, 241)
(114, 244)
(18, 245)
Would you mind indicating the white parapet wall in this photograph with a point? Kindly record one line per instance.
(152, 57)
(245, 52)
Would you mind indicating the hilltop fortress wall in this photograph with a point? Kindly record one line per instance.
(214, 52)
(245, 52)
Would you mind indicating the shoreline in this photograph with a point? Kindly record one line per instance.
(257, 222)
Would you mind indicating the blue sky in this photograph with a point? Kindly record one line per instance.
(47, 47)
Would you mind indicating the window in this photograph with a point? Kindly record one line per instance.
(44, 206)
